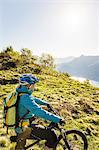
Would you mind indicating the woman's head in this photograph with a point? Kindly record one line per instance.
(28, 80)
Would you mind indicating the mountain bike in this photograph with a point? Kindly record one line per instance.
(67, 139)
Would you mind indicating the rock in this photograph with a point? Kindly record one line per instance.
(88, 131)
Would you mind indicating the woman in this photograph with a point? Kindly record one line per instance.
(28, 107)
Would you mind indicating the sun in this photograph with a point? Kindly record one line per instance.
(72, 17)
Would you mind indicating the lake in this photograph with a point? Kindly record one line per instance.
(81, 79)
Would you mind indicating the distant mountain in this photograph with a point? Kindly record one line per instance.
(63, 60)
(83, 66)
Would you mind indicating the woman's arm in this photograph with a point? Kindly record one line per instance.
(38, 111)
(39, 101)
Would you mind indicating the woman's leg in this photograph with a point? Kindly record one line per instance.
(44, 134)
(21, 139)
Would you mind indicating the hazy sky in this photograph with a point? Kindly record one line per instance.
(59, 27)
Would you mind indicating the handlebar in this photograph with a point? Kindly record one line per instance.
(53, 125)
(50, 108)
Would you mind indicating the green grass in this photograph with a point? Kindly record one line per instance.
(74, 101)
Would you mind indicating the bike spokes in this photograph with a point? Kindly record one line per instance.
(76, 142)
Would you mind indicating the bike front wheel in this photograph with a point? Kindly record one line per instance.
(74, 140)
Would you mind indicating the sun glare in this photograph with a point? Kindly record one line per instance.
(71, 17)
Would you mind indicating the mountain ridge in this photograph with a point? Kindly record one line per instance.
(84, 66)
(64, 60)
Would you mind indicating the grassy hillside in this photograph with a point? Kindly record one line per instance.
(77, 102)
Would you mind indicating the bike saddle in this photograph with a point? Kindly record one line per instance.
(13, 138)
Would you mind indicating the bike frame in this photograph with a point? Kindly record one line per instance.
(51, 126)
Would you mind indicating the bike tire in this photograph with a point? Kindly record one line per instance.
(71, 133)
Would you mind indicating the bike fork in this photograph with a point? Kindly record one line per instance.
(66, 143)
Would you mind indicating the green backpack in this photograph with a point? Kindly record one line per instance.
(11, 119)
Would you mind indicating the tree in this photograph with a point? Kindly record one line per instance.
(26, 55)
(8, 49)
(26, 52)
(47, 60)
(9, 58)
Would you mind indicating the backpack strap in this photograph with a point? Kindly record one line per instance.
(18, 120)
(7, 107)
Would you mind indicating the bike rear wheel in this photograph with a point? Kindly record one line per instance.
(76, 141)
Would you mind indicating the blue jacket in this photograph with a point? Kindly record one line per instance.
(28, 102)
